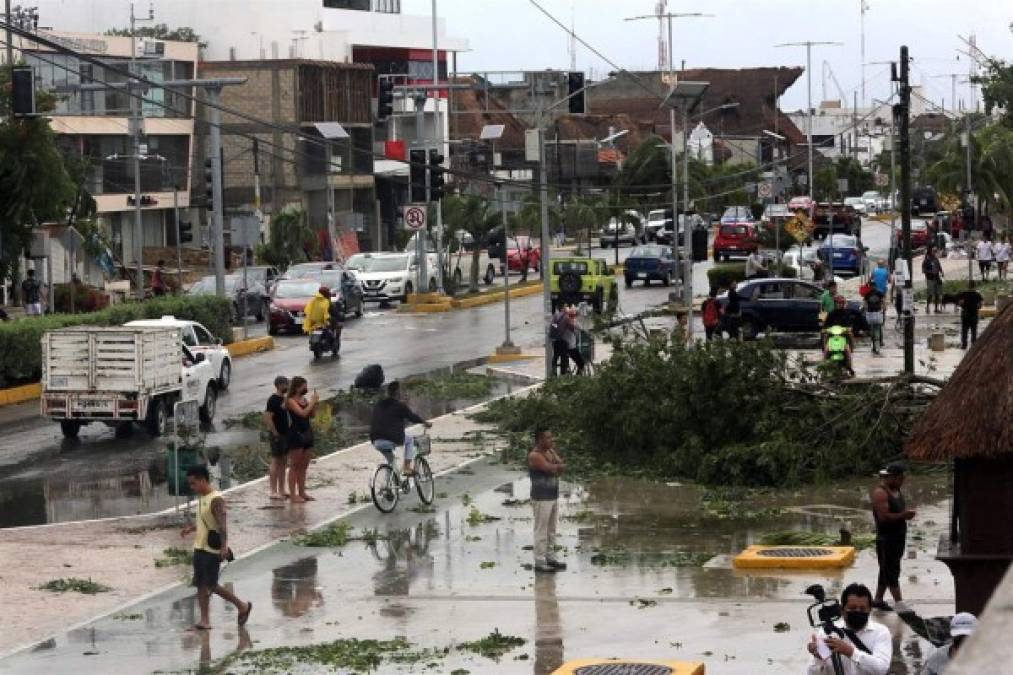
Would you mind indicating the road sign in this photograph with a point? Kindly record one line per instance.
(415, 217)
(882, 180)
(842, 185)
(765, 190)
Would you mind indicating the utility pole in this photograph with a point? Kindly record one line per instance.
(421, 255)
(687, 235)
(903, 109)
(967, 143)
(136, 122)
(217, 213)
(543, 198)
(863, 7)
(438, 134)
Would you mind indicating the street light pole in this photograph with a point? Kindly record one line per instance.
(543, 198)
(809, 44)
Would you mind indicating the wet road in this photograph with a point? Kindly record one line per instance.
(441, 579)
(50, 478)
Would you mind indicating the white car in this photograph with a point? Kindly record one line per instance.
(657, 221)
(198, 340)
(873, 201)
(390, 276)
(857, 203)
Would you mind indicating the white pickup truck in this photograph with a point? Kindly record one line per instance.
(118, 376)
(457, 261)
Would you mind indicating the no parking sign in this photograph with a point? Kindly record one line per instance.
(415, 218)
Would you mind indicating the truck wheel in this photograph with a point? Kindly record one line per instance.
(598, 304)
(668, 279)
(158, 418)
(70, 428)
(225, 377)
(408, 290)
(207, 411)
(629, 281)
(613, 299)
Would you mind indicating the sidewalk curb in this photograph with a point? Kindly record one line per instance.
(33, 391)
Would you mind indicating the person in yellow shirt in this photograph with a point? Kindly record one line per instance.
(210, 547)
(317, 311)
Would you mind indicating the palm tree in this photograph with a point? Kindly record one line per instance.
(472, 214)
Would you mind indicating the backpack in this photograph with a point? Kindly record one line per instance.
(371, 377)
(874, 301)
(837, 343)
(711, 314)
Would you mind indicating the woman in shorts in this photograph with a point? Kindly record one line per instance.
(300, 437)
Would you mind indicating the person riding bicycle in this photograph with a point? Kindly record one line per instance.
(837, 341)
(387, 427)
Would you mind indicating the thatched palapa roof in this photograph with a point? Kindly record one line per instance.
(973, 414)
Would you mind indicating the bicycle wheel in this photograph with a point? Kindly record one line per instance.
(384, 488)
(424, 483)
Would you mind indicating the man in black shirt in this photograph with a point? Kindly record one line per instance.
(276, 420)
(387, 427)
(970, 302)
(732, 316)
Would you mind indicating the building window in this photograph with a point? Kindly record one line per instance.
(387, 6)
(359, 5)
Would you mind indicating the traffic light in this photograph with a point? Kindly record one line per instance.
(417, 172)
(385, 99)
(185, 233)
(209, 183)
(576, 93)
(23, 91)
(436, 179)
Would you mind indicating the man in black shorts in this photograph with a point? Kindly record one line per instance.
(890, 513)
(276, 422)
(210, 547)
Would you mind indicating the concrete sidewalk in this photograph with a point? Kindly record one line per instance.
(121, 552)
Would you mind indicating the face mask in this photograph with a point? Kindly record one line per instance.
(856, 620)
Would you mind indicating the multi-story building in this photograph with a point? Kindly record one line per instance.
(372, 32)
(96, 125)
(293, 170)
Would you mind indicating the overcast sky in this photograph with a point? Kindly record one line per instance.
(514, 35)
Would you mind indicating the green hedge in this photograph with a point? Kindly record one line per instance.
(21, 340)
(722, 274)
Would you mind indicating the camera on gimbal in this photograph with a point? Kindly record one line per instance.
(827, 611)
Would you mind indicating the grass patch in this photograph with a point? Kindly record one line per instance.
(803, 538)
(476, 517)
(128, 617)
(334, 535)
(494, 645)
(487, 565)
(736, 504)
(582, 516)
(74, 585)
(451, 386)
(173, 556)
(349, 655)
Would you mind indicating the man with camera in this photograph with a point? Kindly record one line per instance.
(863, 647)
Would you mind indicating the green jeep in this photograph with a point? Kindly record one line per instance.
(589, 280)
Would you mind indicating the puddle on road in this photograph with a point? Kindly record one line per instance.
(109, 477)
(441, 579)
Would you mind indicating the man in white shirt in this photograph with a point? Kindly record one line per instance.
(1001, 250)
(962, 625)
(865, 649)
(754, 266)
(984, 253)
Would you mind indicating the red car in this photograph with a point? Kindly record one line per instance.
(737, 239)
(288, 304)
(919, 235)
(518, 248)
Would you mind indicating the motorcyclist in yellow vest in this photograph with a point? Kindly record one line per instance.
(838, 343)
(318, 311)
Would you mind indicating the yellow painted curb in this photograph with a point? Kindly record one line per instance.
(251, 346)
(754, 558)
(678, 667)
(988, 312)
(426, 299)
(15, 395)
(508, 358)
(496, 296)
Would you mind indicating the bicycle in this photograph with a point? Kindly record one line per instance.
(388, 484)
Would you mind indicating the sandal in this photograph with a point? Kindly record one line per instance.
(245, 616)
